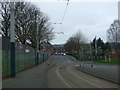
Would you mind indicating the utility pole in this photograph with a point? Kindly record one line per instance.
(119, 10)
(12, 40)
(116, 41)
(90, 52)
(47, 47)
(37, 54)
(96, 47)
(118, 22)
(37, 44)
(117, 28)
(82, 54)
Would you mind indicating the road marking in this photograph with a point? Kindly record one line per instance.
(62, 78)
(90, 83)
(69, 84)
(69, 61)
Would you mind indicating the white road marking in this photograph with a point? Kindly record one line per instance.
(69, 61)
(62, 78)
(90, 83)
(69, 84)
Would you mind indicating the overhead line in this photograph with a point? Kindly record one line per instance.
(65, 11)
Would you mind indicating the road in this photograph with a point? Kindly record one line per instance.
(106, 71)
(56, 72)
(65, 75)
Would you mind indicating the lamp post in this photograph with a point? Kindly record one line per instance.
(12, 40)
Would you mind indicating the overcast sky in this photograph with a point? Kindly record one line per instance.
(91, 18)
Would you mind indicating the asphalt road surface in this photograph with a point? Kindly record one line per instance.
(57, 72)
(105, 71)
(65, 75)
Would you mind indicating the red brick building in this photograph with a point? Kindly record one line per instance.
(47, 46)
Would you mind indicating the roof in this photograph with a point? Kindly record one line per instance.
(46, 44)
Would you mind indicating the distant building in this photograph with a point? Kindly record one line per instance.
(59, 48)
(47, 46)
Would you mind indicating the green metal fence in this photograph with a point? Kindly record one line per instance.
(5, 62)
(98, 59)
(25, 57)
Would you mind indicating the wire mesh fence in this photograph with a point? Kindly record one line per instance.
(25, 57)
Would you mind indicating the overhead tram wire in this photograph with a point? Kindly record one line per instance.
(65, 11)
(63, 14)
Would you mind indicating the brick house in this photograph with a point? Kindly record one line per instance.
(47, 46)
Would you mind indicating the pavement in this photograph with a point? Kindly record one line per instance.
(32, 78)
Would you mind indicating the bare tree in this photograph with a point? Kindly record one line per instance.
(72, 45)
(76, 42)
(5, 18)
(80, 37)
(113, 35)
(45, 30)
(25, 22)
(24, 18)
